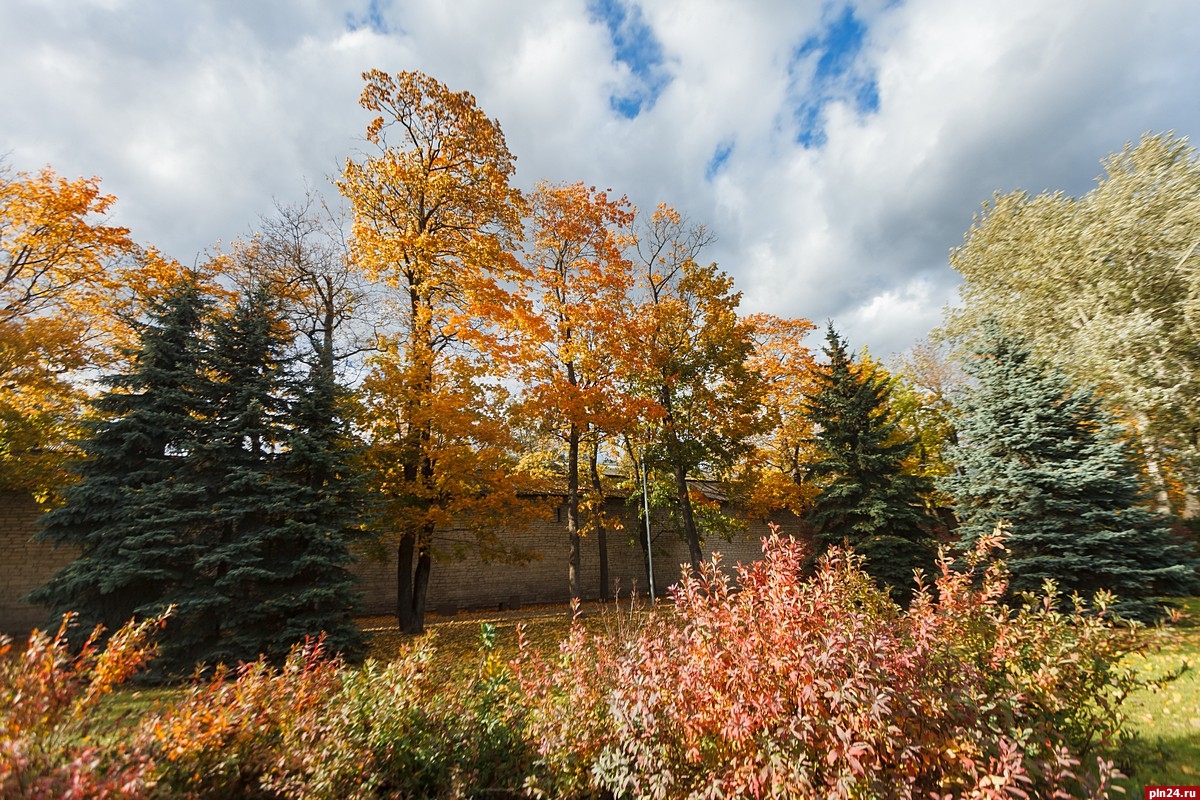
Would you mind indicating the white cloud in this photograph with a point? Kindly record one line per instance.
(196, 115)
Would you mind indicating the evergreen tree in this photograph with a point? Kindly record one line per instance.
(1049, 462)
(866, 499)
(215, 483)
(326, 513)
(136, 502)
(272, 566)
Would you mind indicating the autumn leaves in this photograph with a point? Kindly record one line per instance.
(612, 335)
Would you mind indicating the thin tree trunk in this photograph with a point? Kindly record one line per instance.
(695, 555)
(1162, 499)
(643, 542)
(573, 554)
(601, 532)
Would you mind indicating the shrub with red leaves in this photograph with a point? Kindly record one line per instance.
(53, 743)
(822, 687)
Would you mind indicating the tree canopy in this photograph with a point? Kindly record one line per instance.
(434, 219)
(1105, 286)
(198, 494)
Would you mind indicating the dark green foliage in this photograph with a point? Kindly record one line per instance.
(240, 517)
(1047, 460)
(323, 514)
(270, 571)
(137, 500)
(866, 500)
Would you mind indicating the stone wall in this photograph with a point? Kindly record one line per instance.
(463, 583)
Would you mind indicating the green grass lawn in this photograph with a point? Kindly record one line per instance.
(1166, 721)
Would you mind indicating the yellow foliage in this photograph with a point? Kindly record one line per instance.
(55, 288)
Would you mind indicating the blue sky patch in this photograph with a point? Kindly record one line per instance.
(838, 74)
(635, 46)
(720, 155)
(371, 18)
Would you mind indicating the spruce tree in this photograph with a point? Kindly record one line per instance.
(866, 500)
(1048, 461)
(272, 566)
(326, 514)
(135, 502)
(215, 483)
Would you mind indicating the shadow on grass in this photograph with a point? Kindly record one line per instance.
(1162, 761)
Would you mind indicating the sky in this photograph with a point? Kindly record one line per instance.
(837, 150)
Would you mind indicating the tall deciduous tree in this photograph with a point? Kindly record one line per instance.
(1105, 286)
(1046, 460)
(55, 255)
(301, 255)
(573, 333)
(434, 219)
(866, 498)
(694, 360)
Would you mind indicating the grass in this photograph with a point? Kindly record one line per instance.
(457, 640)
(1166, 720)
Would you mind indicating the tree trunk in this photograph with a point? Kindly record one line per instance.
(643, 542)
(421, 588)
(1153, 460)
(695, 555)
(404, 583)
(412, 586)
(573, 555)
(601, 533)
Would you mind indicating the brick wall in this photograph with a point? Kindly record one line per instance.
(25, 564)
(470, 583)
(464, 583)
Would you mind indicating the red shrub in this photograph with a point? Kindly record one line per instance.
(824, 688)
(53, 743)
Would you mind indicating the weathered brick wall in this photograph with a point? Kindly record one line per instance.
(25, 564)
(471, 583)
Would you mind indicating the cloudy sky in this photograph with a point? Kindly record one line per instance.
(837, 150)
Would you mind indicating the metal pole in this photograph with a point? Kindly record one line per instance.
(649, 542)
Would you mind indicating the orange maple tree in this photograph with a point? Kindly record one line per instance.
(56, 284)
(434, 221)
(571, 327)
(694, 363)
(772, 476)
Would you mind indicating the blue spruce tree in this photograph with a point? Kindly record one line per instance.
(1050, 463)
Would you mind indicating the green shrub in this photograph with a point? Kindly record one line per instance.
(317, 729)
